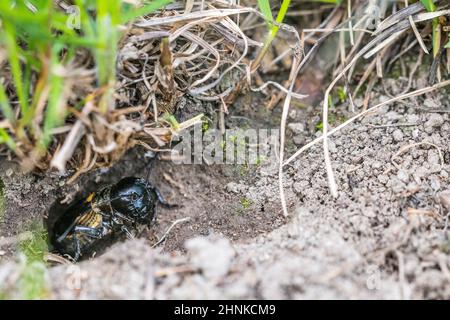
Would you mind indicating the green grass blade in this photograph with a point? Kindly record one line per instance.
(56, 109)
(280, 17)
(6, 138)
(86, 21)
(283, 10)
(264, 7)
(13, 51)
(429, 5)
(107, 35)
(133, 13)
(271, 35)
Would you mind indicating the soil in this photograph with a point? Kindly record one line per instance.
(383, 237)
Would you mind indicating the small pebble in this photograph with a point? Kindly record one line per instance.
(377, 165)
(293, 114)
(402, 175)
(299, 140)
(430, 103)
(370, 213)
(150, 154)
(383, 178)
(435, 121)
(435, 183)
(397, 186)
(357, 160)
(413, 119)
(393, 116)
(234, 187)
(445, 128)
(332, 147)
(296, 127)
(358, 102)
(385, 140)
(433, 157)
(435, 168)
(397, 135)
(444, 198)
(382, 99)
(298, 188)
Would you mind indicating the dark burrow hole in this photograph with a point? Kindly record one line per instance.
(104, 226)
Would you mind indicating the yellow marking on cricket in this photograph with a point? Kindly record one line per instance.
(90, 197)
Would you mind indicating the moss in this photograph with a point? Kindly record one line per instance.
(341, 94)
(395, 73)
(244, 205)
(260, 160)
(35, 246)
(31, 284)
(333, 120)
(319, 126)
(205, 126)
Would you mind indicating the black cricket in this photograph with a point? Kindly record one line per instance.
(114, 210)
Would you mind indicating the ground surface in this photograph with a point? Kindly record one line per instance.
(382, 238)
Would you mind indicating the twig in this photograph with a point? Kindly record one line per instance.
(51, 257)
(170, 229)
(73, 138)
(401, 273)
(296, 66)
(294, 95)
(405, 148)
(174, 270)
(418, 36)
(216, 13)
